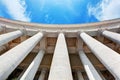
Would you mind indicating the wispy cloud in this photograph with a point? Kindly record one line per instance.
(105, 10)
(16, 9)
(56, 10)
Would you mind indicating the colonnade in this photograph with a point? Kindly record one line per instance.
(109, 58)
(60, 67)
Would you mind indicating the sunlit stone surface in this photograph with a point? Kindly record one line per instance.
(4, 38)
(61, 45)
(89, 68)
(12, 58)
(60, 67)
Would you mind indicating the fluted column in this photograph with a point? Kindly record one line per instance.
(89, 68)
(42, 75)
(60, 67)
(33, 67)
(12, 58)
(79, 74)
(115, 37)
(5, 38)
(109, 58)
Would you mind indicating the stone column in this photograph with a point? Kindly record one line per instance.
(60, 67)
(5, 38)
(1, 28)
(12, 58)
(18, 78)
(2, 49)
(109, 58)
(42, 75)
(103, 78)
(79, 74)
(89, 68)
(33, 67)
(115, 37)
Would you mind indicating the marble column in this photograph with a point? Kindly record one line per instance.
(12, 58)
(109, 58)
(89, 68)
(5, 38)
(33, 67)
(60, 67)
(79, 74)
(42, 75)
(115, 37)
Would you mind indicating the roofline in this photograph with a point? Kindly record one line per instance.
(22, 23)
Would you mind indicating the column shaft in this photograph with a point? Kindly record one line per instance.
(89, 68)
(12, 58)
(21, 74)
(42, 75)
(115, 37)
(33, 67)
(79, 74)
(60, 67)
(5, 38)
(103, 78)
(109, 58)
(2, 49)
(1, 28)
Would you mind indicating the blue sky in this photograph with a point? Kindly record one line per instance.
(60, 11)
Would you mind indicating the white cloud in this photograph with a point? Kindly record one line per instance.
(105, 10)
(60, 4)
(16, 9)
